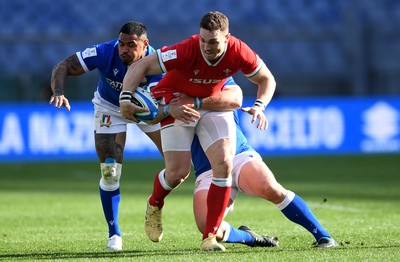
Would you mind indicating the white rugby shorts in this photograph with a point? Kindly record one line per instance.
(211, 127)
(108, 121)
(203, 181)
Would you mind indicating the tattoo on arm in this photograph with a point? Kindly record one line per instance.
(69, 66)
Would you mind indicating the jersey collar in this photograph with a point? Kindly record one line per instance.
(219, 59)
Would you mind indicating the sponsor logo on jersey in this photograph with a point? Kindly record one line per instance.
(114, 84)
(115, 71)
(168, 55)
(89, 52)
(204, 81)
(105, 121)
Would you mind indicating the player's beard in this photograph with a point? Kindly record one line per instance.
(126, 59)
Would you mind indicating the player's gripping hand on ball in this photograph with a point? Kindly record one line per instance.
(60, 101)
(128, 108)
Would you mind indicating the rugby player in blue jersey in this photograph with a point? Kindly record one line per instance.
(251, 176)
(111, 59)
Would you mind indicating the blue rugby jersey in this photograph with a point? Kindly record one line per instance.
(105, 58)
(199, 158)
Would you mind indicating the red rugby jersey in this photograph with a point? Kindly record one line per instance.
(187, 71)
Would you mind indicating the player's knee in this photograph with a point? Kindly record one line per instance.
(175, 176)
(110, 175)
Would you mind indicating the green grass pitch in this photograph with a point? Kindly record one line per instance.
(52, 211)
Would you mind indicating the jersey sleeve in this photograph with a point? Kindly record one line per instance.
(93, 57)
(251, 62)
(152, 80)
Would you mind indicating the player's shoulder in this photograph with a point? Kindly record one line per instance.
(236, 43)
(111, 44)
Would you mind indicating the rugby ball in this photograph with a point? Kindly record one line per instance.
(143, 98)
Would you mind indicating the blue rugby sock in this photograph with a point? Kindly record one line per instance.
(110, 202)
(233, 235)
(296, 210)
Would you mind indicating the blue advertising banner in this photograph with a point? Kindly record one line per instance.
(297, 126)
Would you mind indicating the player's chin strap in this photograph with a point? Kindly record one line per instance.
(110, 174)
(126, 96)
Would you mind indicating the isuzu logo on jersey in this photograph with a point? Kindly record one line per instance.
(204, 81)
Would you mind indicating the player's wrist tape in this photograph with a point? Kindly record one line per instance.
(165, 110)
(260, 103)
(126, 96)
(198, 102)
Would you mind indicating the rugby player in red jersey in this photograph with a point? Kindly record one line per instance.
(198, 67)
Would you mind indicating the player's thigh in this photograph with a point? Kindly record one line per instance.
(176, 143)
(217, 136)
(215, 126)
(258, 180)
(110, 134)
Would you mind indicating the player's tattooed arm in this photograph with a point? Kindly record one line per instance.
(67, 67)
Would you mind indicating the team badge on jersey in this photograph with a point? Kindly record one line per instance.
(105, 121)
(227, 71)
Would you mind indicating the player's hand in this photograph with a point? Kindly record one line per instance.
(129, 109)
(257, 113)
(60, 101)
(183, 112)
(183, 99)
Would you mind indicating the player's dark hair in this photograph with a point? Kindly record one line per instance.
(213, 21)
(134, 28)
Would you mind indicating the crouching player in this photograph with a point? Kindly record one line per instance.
(253, 177)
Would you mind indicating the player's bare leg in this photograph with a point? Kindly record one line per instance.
(176, 170)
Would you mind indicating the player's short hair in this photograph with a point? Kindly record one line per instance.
(213, 21)
(134, 28)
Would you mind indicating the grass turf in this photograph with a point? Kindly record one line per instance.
(52, 211)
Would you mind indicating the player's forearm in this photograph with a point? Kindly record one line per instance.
(59, 78)
(60, 73)
(228, 99)
(266, 86)
(266, 91)
(219, 103)
(132, 79)
(136, 71)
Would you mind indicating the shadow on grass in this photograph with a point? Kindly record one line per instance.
(171, 253)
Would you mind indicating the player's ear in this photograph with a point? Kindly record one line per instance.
(227, 37)
(146, 43)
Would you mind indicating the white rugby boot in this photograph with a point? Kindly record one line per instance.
(114, 243)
